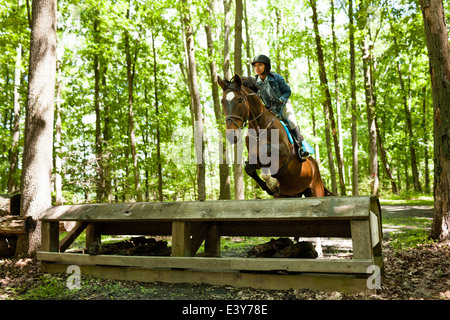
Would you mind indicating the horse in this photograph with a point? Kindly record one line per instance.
(291, 177)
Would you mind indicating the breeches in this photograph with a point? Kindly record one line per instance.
(289, 116)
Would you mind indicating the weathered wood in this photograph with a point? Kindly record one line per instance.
(72, 235)
(218, 210)
(50, 236)
(358, 266)
(322, 282)
(362, 247)
(181, 239)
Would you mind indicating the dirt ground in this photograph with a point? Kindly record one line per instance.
(420, 273)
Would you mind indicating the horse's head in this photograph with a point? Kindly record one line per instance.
(235, 105)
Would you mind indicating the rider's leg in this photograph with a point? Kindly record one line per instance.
(288, 114)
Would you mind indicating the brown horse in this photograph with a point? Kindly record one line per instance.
(268, 138)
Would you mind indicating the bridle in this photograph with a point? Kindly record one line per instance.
(244, 122)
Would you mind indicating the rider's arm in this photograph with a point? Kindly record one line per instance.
(284, 89)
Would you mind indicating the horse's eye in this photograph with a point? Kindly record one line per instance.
(240, 100)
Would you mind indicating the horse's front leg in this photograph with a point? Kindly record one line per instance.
(250, 169)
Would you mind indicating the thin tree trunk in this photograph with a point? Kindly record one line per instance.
(371, 115)
(226, 43)
(198, 114)
(158, 133)
(131, 68)
(98, 130)
(410, 136)
(439, 56)
(14, 152)
(237, 167)
(355, 175)
(247, 40)
(425, 139)
(339, 155)
(224, 175)
(37, 153)
(328, 109)
(58, 165)
(384, 159)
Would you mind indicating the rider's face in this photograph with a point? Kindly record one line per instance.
(259, 68)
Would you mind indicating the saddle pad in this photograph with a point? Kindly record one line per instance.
(305, 144)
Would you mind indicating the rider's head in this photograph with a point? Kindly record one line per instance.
(261, 64)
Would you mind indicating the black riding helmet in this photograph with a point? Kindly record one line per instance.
(263, 59)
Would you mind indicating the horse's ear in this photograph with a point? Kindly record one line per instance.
(237, 80)
(221, 82)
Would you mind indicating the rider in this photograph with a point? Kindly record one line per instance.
(275, 92)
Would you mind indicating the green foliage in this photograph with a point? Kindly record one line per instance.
(410, 238)
(161, 105)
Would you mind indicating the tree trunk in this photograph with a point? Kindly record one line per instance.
(340, 149)
(195, 96)
(425, 139)
(131, 68)
(247, 40)
(158, 133)
(439, 54)
(237, 167)
(14, 152)
(384, 159)
(409, 136)
(371, 115)
(355, 175)
(37, 153)
(226, 43)
(58, 165)
(225, 191)
(328, 108)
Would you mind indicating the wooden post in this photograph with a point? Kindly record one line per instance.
(181, 239)
(92, 236)
(212, 242)
(362, 245)
(50, 236)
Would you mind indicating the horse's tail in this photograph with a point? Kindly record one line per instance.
(328, 193)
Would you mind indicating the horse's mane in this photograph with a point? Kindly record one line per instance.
(249, 82)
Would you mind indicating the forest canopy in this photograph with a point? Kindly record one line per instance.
(124, 112)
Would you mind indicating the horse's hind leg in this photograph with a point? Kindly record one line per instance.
(250, 169)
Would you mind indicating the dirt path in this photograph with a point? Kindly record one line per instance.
(419, 273)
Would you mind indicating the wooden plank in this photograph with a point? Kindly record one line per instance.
(321, 282)
(181, 239)
(229, 263)
(362, 248)
(72, 235)
(217, 210)
(50, 236)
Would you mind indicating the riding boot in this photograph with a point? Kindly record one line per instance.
(298, 138)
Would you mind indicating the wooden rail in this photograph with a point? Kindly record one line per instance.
(192, 223)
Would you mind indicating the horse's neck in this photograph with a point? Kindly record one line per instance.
(257, 109)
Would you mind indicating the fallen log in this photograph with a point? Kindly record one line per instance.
(268, 249)
(283, 248)
(133, 246)
(14, 225)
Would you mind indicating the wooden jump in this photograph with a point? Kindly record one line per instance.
(192, 223)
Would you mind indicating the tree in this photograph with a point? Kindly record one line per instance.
(328, 108)
(355, 175)
(225, 192)
(195, 97)
(439, 57)
(37, 155)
